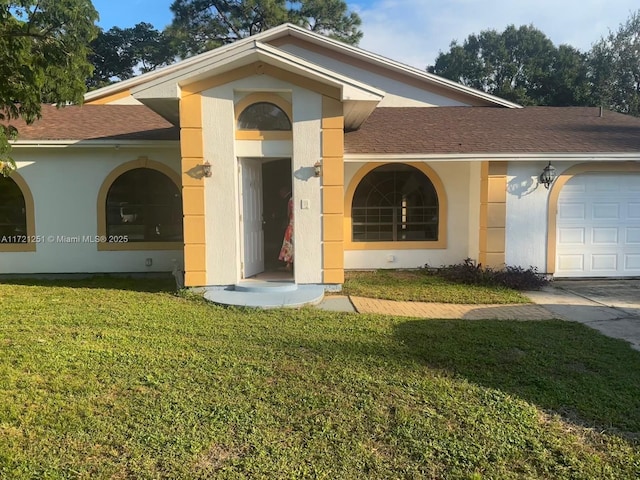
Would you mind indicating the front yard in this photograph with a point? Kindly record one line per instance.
(415, 286)
(123, 379)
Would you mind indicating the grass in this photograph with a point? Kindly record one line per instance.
(116, 379)
(414, 286)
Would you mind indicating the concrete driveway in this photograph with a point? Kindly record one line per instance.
(610, 306)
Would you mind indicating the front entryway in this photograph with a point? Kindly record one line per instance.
(263, 213)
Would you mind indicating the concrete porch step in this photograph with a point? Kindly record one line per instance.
(265, 294)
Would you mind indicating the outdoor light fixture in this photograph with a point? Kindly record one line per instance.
(317, 169)
(206, 169)
(548, 175)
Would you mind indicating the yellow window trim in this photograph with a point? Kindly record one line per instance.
(140, 162)
(29, 206)
(554, 195)
(263, 135)
(441, 243)
(267, 97)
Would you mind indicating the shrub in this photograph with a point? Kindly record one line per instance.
(471, 273)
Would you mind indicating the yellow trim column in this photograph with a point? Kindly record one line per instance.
(193, 204)
(332, 191)
(493, 214)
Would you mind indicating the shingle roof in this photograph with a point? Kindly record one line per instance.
(442, 130)
(412, 130)
(97, 122)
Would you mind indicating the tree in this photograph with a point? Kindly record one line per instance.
(43, 58)
(614, 64)
(120, 53)
(518, 64)
(200, 25)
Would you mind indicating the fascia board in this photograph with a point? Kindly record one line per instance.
(112, 143)
(134, 82)
(512, 157)
(385, 62)
(352, 89)
(295, 31)
(169, 86)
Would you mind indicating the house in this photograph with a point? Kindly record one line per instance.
(388, 167)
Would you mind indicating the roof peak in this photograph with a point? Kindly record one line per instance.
(289, 29)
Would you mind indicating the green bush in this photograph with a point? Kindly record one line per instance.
(471, 273)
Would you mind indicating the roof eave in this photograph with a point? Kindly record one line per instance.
(95, 143)
(168, 88)
(430, 78)
(493, 156)
(299, 32)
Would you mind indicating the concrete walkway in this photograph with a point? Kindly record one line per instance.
(447, 310)
(610, 306)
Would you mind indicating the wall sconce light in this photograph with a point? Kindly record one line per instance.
(548, 175)
(206, 169)
(317, 169)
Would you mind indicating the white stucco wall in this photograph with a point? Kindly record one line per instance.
(456, 178)
(398, 94)
(527, 220)
(65, 183)
(221, 189)
(223, 229)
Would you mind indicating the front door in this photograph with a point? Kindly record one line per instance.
(251, 201)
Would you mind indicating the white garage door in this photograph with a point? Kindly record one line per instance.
(598, 226)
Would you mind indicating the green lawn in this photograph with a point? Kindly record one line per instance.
(102, 381)
(416, 286)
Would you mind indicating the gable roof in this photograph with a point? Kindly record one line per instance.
(162, 94)
(289, 30)
(97, 122)
(472, 130)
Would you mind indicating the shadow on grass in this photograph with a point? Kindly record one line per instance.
(565, 367)
(162, 283)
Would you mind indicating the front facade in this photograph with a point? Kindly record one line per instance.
(378, 177)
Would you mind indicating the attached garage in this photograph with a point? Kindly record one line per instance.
(598, 226)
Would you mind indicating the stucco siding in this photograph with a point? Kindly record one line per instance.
(221, 190)
(65, 183)
(456, 179)
(307, 124)
(526, 225)
(223, 228)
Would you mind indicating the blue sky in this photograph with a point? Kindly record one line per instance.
(414, 31)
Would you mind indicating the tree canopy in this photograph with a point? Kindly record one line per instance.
(200, 25)
(121, 53)
(615, 68)
(518, 64)
(43, 59)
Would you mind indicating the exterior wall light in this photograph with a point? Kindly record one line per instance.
(548, 175)
(206, 169)
(317, 169)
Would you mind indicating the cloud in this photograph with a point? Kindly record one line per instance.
(415, 31)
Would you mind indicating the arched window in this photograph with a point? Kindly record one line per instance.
(265, 116)
(13, 212)
(395, 203)
(145, 206)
